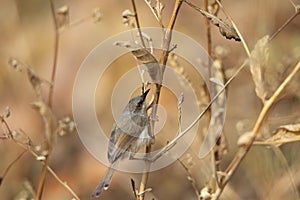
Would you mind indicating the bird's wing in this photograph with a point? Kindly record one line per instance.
(119, 143)
(124, 132)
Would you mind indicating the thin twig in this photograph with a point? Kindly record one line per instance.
(12, 164)
(51, 90)
(240, 155)
(168, 35)
(148, 3)
(79, 21)
(28, 148)
(138, 23)
(190, 178)
(55, 53)
(208, 33)
(173, 142)
(214, 153)
(236, 29)
(280, 155)
(144, 179)
(163, 61)
(134, 189)
(42, 179)
(285, 24)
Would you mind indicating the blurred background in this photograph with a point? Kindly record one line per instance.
(27, 33)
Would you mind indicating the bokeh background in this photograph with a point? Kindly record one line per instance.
(27, 33)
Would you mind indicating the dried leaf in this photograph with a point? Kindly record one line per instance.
(34, 79)
(153, 67)
(36, 82)
(258, 60)
(283, 134)
(146, 58)
(225, 29)
(50, 122)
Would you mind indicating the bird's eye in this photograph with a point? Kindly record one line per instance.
(139, 105)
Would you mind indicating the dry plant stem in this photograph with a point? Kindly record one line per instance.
(236, 29)
(55, 53)
(134, 189)
(138, 23)
(285, 24)
(209, 51)
(240, 155)
(11, 165)
(208, 32)
(163, 62)
(41, 184)
(190, 178)
(79, 21)
(28, 148)
(63, 183)
(179, 135)
(50, 97)
(281, 184)
(144, 180)
(168, 35)
(279, 154)
(208, 39)
(153, 12)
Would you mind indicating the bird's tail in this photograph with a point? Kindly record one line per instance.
(104, 183)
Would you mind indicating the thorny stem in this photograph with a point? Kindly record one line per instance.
(28, 148)
(240, 155)
(163, 62)
(285, 24)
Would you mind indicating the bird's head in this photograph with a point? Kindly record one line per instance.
(138, 103)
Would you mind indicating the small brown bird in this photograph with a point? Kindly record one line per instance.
(129, 134)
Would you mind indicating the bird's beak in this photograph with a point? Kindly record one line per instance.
(144, 95)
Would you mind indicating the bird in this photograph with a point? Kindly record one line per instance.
(129, 133)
